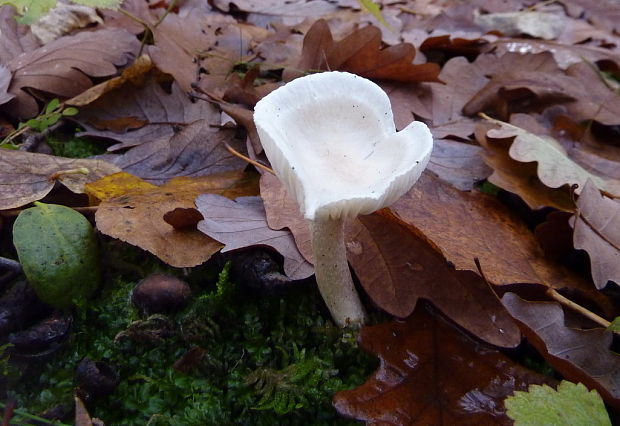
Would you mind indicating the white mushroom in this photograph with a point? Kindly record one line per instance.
(332, 142)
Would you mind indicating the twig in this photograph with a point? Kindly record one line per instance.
(248, 159)
(553, 293)
(11, 268)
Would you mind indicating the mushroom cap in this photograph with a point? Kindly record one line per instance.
(332, 142)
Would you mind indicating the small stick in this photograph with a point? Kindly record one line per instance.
(248, 159)
(553, 293)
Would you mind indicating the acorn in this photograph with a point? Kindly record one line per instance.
(159, 293)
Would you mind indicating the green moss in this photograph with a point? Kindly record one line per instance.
(73, 147)
(267, 360)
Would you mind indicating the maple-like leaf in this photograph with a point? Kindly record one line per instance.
(74, 58)
(597, 231)
(26, 177)
(579, 355)
(432, 374)
(242, 223)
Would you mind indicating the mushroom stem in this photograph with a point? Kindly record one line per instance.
(332, 272)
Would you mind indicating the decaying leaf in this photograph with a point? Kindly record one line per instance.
(571, 403)
(555, 168)
(242, 223)
(26, 177)
(137, 216)
(457, 163)
(579, 355)
(396, 268)
(361, 53)
(15, 38)
(75, 58)
(597, 231)
(472, 225)
(547, 26)
(432, 374)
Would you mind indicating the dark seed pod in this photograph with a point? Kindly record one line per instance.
(258, 270)
(19, 308)
(94, 379)
(159, 293)
(43, 338)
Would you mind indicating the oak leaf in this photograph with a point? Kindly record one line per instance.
(597, 231)
(579, 355)
(75, 58)
(430, 373)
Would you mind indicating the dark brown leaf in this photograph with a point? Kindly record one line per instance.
(579, 355)
(433, 374)
(15, 38)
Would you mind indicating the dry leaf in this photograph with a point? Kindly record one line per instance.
(242, 223)
(457, 163)
(95, 54)
(555, 168)
(432, 374)
(14, 38)
(579, 355)
(597, 231)
(396, 267)
(604, 13)
(137, 216)
(26, 177)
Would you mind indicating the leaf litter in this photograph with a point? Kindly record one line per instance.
(551, 144)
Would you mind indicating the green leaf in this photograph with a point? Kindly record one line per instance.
(58, 250)
(35, 124)
(69, 112)
(50, 120)
(570, 405)
(615, 325)
(374, 9)
(52, 106)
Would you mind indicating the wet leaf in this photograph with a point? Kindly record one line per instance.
(597, 231)
(137, 216)
(579, 355)
(28, 177)
(58, 250)
(242, 223)
(431, 373)
(570, 404)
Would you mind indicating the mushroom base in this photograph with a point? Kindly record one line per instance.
(332, 273)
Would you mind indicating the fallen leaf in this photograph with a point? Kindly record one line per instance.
(604, 13)
(63, 19)
(137, 216)
(75, 58)
(82, 418)
(409, 101)
(468, 225)
(555, 168)
(242, 223)
(15, 38)
(162, 113)
(571, 402)
(361, 53)
(579, 355)
(396, 268)
(597, 231)
(5, 81)
(28, 177)
(547, 26)
(301, 8)
(459, 164)
(519, 178)
(195, 150)
(430, 373)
